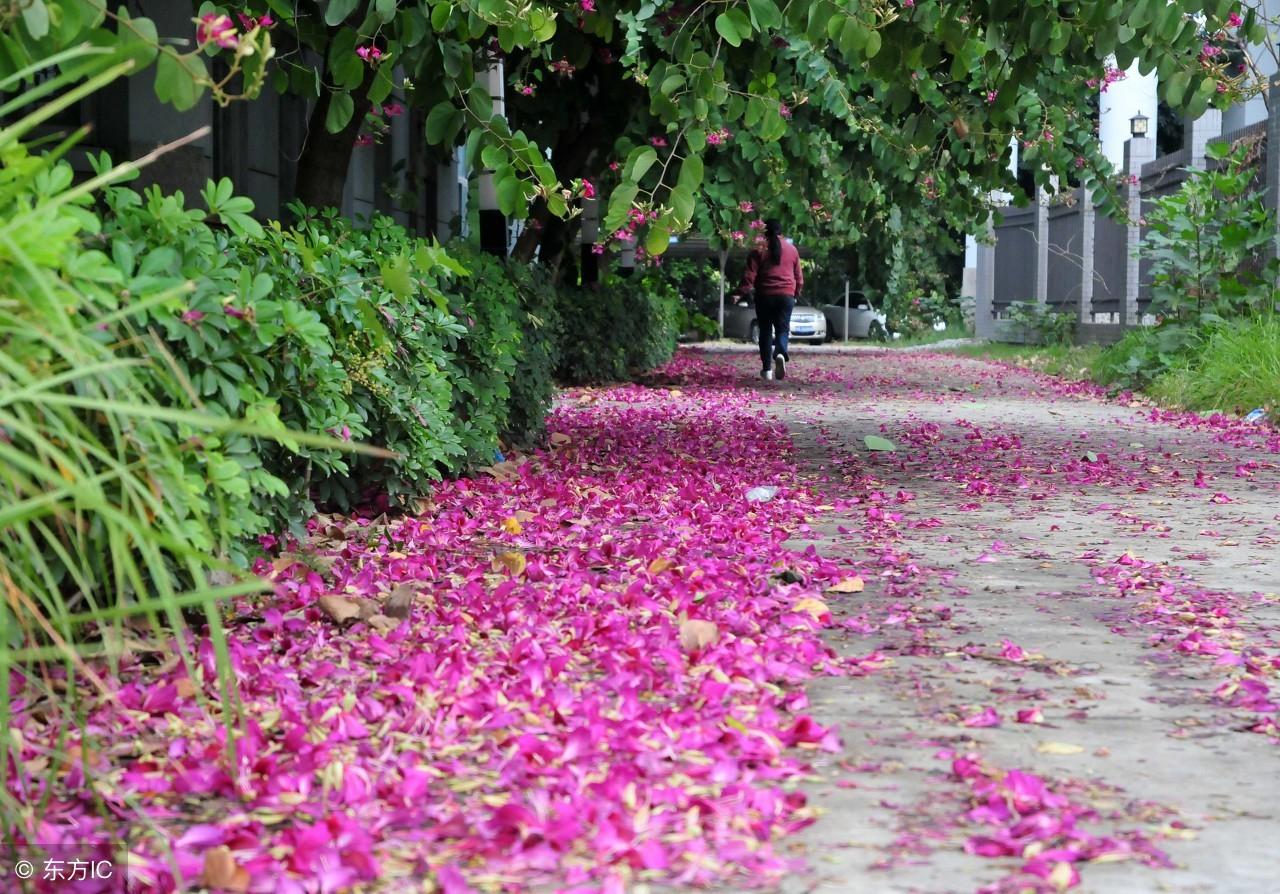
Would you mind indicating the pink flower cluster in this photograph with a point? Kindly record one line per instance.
(1235, 20)
(216, 29)
(718, 137)
(369, 54)
(563, 67)
(248, 22)
(658, 142)
(1109, 76)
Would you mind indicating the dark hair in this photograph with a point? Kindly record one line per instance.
(773, 232)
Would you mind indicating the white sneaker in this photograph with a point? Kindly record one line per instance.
(767, 375)
(779, 367)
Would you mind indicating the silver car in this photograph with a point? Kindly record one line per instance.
(807, 323)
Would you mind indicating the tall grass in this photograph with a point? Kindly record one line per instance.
(1237, 368)
(99, 547)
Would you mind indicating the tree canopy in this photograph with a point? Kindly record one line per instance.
(680, 114)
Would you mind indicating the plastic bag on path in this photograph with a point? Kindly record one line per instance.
(1258, 415)
(761, 494)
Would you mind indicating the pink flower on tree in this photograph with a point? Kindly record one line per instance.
(192, 316)
(526, 90)
(1234, 20)
(756, 224)
(991, 96)
(738, 236)
(613, 166)
(597, 248)
(746, 207)
(370, 54)
(658, 142)
(393, 110)
(784, 110)
(216, 29)
(1208, 51)
(364, 139)
(908, 3)
(248, 22)
(588, 189)
(587, 5)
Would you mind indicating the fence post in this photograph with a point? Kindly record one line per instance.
(1272, 162)
(1042, 246)
(1137, 152)
(1088, 233)
(1198, 134)
(984, 322)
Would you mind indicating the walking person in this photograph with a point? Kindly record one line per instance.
(773, 275)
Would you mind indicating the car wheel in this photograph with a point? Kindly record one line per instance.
(753, 333)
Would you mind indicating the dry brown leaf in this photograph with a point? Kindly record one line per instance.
(697, 634)
(339, 608)
(186, 688)
(660, 564)
(512, 561)
(848, 585)
(559, 438)
(222, 871)
(815, 608)
(523, 515)
(383, 624)
(400, 603)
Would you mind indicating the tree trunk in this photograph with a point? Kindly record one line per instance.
(326, 158)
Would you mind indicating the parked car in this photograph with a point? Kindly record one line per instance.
(807, 323)
(861, 319)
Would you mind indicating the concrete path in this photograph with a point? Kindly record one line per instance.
(1033, 551)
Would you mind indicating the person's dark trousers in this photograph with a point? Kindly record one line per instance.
(773, 317)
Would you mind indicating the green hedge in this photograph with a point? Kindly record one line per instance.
(369, 334)
(627, 326)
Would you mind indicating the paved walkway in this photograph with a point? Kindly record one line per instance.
(1063, 587)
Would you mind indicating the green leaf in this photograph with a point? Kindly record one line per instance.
(396, 276)
(35, 15)
(657, 240)
(872, 46)
(638, 163)
(682, 206)
(341, 108)
(337, 10)
(619, 204)
(879, 444)
(385, 10)
(728, 30)
(691, 172)
(180, 80)
(440, 16)
(764, 15)
(440, 120)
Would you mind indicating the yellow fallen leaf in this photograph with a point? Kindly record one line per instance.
(512, 561)
(339, 608)
(1062, 876)
(512, 525)
(816, 608)
(848, 585)
(1058, 748)
(523, 515)
(660, 564)
(696, 634)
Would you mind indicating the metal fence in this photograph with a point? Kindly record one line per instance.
(1062, 253)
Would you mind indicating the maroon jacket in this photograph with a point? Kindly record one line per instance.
(767, 278)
